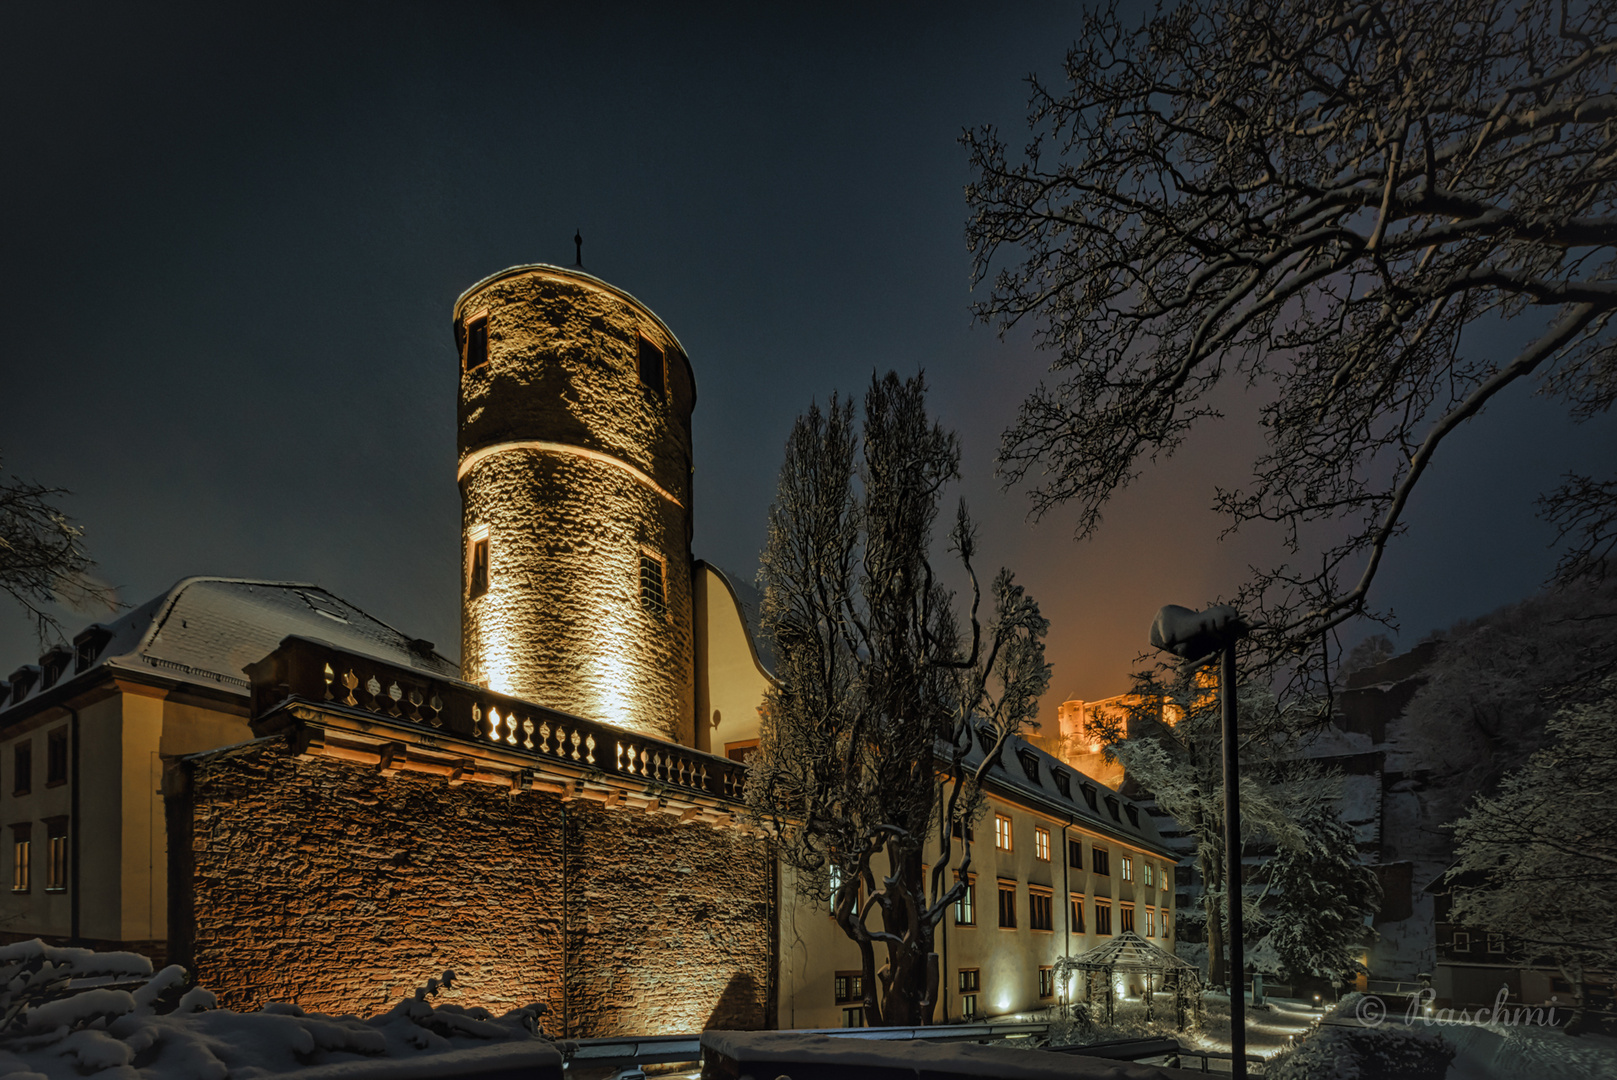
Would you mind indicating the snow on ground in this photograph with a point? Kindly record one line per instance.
(1268, 1030)
(71, 1013)
(1528, 1053)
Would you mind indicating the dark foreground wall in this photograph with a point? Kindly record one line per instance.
(324, 882)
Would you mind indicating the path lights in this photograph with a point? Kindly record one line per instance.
(1203, 638)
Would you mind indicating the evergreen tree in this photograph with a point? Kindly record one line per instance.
(1321, 894)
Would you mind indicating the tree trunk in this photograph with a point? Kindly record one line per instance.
(1215, 931)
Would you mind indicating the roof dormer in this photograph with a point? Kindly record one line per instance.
(53, 665)
(23, 680)
(87, 646)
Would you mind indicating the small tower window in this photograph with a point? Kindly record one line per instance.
(477, 563)
(477, 341)
(652, 374)
(653, 593)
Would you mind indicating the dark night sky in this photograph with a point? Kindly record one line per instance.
(232, 236)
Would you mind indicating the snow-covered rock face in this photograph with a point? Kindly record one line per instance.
(70, 1013)
(575, 474)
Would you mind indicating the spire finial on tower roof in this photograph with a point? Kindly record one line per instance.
(578, 242)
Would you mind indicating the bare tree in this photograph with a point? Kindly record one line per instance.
(863, 748)
(1334, 201)
(41, 562)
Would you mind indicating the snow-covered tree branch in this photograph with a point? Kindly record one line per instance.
(1336, 203)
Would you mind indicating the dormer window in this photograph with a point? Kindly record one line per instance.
(1111, 808)
(22, 680)
(1063, 783)
(1134, 814)
(88, 645)
(1089, 797)
(476, 350)
(1030, 765)
(653, 372)
(52, 665)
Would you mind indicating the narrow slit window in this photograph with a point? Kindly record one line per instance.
(652, 370)
(21, 856)
(476, 342)
(56, 854)
(477, 565)
(653, 591)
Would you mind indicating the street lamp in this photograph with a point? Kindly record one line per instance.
(1203, 638)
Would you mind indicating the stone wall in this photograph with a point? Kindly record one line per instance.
(324, 882)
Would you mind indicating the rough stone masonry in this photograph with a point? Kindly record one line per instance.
(328, 883)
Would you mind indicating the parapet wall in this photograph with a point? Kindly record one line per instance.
(333, 884)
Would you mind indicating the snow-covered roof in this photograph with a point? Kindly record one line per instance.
(205, 630)
(1041, 779)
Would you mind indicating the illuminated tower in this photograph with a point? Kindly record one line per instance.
(575, 487)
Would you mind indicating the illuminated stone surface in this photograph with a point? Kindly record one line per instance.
(325, 883)
(575, 468)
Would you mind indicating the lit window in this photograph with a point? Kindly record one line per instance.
(652, 370)
(1041, 843)
(1125, 914)
(477, 563)
(476, 341)
(1167, 928)
(653, 596)
(1040, 915)
(1002, 832)
(741, 751)
(1167, 878)
(56, 854)
(850, 987)
(22, 767)
(1127, 868)
(1077, 926)
(1047, 981)
(969, 986)
(835, 873)
(1150, 922)
(965, 908)
(1145, 875)
(56, 757)
(1103, 916)
(1007, 905)
(853, 1017)
(21, 857)
(1100, 861)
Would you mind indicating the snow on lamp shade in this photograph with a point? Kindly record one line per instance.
(574, 444)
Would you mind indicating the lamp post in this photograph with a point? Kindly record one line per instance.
(1203, 638)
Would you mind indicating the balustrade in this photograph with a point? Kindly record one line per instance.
(315, 671)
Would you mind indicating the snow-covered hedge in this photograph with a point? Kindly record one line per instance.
(1343, 1051)
(74, 1013)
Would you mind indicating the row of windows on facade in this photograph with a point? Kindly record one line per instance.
(22, 855)
(849, 989)
(1100, 858)
(474, 355)
(653, 576)
(1041, 902)
(1461, 942)
(22, 762)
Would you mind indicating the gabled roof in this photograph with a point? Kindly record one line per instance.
(1036, 778)
(204, 631)
(749, 601)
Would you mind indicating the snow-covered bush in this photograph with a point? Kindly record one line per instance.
(1339, 1052)
(73, 1012)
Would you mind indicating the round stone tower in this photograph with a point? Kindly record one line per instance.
(575, 488)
